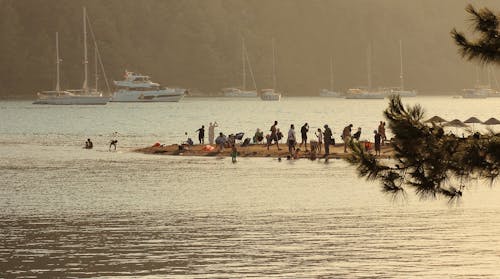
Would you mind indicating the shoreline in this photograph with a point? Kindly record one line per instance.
(251, 151)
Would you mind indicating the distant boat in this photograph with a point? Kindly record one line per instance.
(271, 94)
(401, 91)
(480, 91)
(368, 92)
(242, 92)
(139, 88)
(330, 92)
(84, 96)
(362, 93)
(476, 93)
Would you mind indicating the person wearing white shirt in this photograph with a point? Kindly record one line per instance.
(291, 139)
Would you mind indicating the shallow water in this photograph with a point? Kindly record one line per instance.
(70, 212)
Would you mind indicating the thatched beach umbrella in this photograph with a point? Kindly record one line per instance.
(473, 120)
(435, 119)
(492, 121)
(455, 123)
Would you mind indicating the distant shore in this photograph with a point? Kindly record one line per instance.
(253, 150)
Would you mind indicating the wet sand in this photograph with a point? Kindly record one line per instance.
(253, 150)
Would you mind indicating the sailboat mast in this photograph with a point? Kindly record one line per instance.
(274, 66)
(243, 63)
(58, 61)
(401, 64)
(331, 73)
(369, 65)
(85, 58)
(96, 69)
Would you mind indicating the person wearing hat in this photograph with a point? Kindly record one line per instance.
(327, 135)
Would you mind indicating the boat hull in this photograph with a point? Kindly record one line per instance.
(365, 96)
(72, 100)
(241, 94)
(166, 95)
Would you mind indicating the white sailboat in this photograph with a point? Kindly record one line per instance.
(271, 94)
(84, 96)
(330, 92)
(368, 92)
(401, 91)
(242, 92)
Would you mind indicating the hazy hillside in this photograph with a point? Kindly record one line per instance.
(196, 43)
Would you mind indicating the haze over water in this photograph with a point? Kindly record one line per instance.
(70, 212)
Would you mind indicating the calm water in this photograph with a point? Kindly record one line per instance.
(70, 212)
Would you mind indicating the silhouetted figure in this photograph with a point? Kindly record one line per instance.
(303, 132)
(327, 134)
(377, 140)
(201, 134)
(113, 143)
(274, 136)
(89, 144)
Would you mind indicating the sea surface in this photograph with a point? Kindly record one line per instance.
(69, 212)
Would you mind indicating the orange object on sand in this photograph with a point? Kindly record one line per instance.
(208, 148)
(156, 144)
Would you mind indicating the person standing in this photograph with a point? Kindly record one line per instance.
(381, 130)
(273, 136)
(303, 132)
(291, 139)
(327, 139)
(319, 135)
(346, 136)
(211, 132)
(377, 140)
(201, 134)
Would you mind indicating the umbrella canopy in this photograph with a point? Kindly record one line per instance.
(473, 120)
(435, 119)
(492, 121)
(455, 123)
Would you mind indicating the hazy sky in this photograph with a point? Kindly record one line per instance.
(197, 44)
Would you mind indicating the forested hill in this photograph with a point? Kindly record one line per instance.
(197, 43)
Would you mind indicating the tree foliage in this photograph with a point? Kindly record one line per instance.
(485, 48)
(425, 158)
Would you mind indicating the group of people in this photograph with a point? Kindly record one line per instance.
(89, 144)
(324, 138)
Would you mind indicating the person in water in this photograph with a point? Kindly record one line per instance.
(89, 144)
(113, 143)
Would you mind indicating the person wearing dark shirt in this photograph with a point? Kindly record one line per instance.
(201, 134)
(377, 139)
(327, 135)
(303, 132)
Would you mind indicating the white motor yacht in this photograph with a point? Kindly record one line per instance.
(139, 88)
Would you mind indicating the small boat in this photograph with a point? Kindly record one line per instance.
(239, 93)
(330, 92)
(368, 92)
(271, 94)
(139, 88)
(401, 91)
(362, 93)
(84, 96)
(243, 92)
(476, 93)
